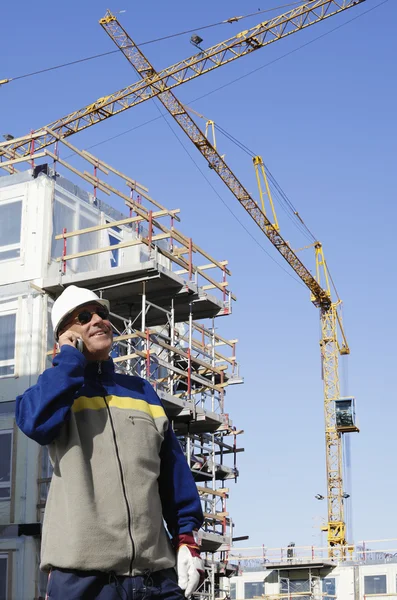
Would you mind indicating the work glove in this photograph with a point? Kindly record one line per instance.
(189, 565)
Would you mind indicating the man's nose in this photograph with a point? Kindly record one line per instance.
(95, 319)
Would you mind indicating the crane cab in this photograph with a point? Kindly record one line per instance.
(345, 415)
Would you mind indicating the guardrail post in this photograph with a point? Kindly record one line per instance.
(64, 230)
(32, 150)
(190, 259)
(150, 234)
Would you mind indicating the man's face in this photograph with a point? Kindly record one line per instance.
(97, 334)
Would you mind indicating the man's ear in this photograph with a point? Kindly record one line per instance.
(62, 329)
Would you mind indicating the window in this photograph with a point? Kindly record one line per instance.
(295, 586)
(72, 214)
(7, 344)
(254, 589)
(7, 407)
(46, 472)
(50, 337)
(329, 587)
(10, 229)
(3, 576)
(375, 584)
(115, 237)
(63, 217)
(87, 241)
(46, 465)
(113, 241)
(232, 591)
(5, 464)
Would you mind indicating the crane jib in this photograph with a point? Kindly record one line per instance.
(223, 53)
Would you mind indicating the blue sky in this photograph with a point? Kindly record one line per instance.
(323, 118)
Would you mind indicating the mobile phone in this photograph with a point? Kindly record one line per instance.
(80, 345)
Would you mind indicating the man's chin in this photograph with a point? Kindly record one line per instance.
(98, 352)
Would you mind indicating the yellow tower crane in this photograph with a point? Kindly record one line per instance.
(159, 84)
(321, 297)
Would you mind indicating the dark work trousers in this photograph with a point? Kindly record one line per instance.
(65, 584)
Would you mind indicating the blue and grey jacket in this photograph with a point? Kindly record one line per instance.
(118, 469)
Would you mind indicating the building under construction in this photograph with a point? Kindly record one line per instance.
(307, 573)
(165, 291)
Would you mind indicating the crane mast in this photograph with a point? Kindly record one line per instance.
(243, 43)
(321, 298)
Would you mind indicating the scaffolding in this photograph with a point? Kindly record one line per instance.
(165, 298)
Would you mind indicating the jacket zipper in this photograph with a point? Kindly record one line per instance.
(129, 518)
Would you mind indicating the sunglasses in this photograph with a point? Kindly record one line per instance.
(85, 316)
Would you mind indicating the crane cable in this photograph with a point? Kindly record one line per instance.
(217, 89)
(281, 196)
(164, 116)
(231, 20)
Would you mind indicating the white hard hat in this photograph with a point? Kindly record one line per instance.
(69, 300)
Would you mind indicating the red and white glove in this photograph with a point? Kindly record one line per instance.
(189, 565)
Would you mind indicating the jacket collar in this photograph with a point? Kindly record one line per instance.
(104, 368)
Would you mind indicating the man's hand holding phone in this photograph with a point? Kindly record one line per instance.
(70, 338)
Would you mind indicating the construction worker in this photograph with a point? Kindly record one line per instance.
(118, 470)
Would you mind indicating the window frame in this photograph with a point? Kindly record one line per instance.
(233, 590)
(5, 556)
(50, 340)
(10, 247)
(8, 362)
(9, 483)
(46, 472)
(115, 232)
(46, 467)
(379, 575)
(254, 583)
(289, 588)
(115, 254)
(323, 590)
(79, 209)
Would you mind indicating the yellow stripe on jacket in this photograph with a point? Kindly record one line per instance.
(97, 403)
